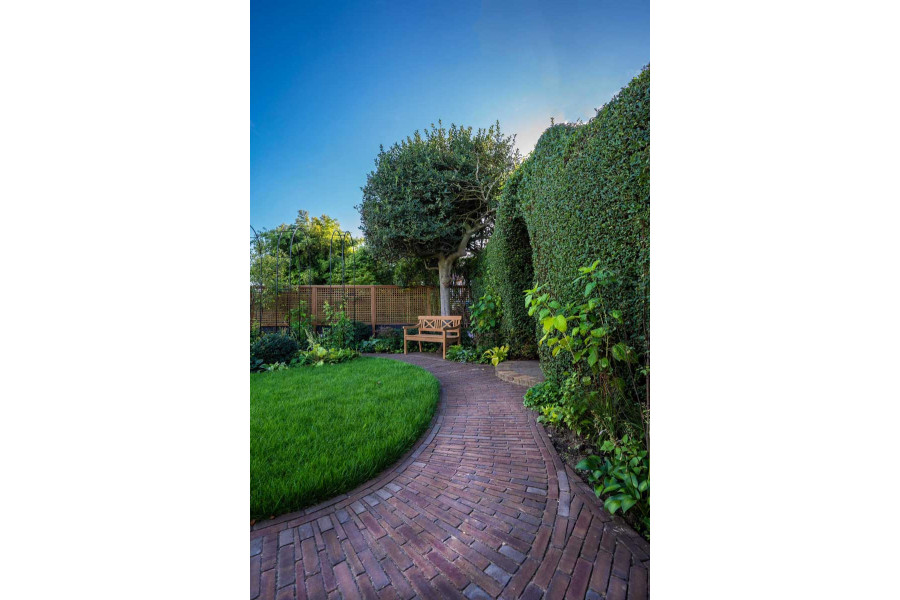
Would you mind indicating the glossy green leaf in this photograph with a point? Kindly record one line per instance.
(560, 323)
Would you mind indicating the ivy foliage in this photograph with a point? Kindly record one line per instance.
(584, 194)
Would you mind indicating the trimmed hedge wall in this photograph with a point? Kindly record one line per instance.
(510, 271)
(584, 194)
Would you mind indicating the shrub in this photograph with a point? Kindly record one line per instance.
(381, 345)
(274, 348)
(360, 332)
(319, 355)
(485, 313)
(607, 404)
(568, 405)
(454, 352)
(584, 193)
(462, 354)
(300, 322)
(389, 339)
(339, 330)
(507, 266)
(623, 476)
(496, 355)
(545, 392)
(591, 335)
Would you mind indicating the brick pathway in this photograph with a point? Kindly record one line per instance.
(482, 507)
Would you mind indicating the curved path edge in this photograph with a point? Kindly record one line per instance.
(480, 507)
(293, 519)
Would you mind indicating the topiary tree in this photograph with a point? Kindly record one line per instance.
(434, 196)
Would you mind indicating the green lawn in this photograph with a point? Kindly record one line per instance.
(316, 432)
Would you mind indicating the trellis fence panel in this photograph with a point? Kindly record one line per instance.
(370, 304)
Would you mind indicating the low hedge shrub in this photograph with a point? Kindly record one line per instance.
(273, 348)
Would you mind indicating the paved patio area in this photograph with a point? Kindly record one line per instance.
(481, 507)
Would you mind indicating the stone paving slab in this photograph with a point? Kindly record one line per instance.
(481, 507)
(520, 372)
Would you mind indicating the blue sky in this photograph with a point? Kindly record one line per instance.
(329, 82)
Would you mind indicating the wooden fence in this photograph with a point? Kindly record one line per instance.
(371, 304)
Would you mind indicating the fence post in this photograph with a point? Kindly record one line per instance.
(372, 288)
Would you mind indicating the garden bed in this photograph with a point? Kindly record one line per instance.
(572, 448)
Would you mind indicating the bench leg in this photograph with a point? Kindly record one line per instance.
(444, 346)
(420, 346)
(404, 345)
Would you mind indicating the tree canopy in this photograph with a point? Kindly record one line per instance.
(433, 196)
(309, 258)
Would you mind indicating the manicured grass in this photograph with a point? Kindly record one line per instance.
(316, 432)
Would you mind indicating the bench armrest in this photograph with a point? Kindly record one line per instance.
(452, 327)
(405, 327)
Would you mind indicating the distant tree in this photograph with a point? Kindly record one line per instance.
(309, 256)
(433, 197)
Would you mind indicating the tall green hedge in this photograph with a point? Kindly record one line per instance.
(509, 271)
(584, 194)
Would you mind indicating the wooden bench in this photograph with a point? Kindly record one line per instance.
(438, 329)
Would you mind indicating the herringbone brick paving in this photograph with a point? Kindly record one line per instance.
(482, 507)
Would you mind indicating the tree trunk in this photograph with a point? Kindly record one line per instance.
(444, 265)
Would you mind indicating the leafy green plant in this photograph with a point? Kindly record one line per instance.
(280, 366)
(601, 398)
(454, 352)
(257, 364)
(592, 335)
(622, 475)
(391, 334)
(458, 353)
(575, 406)
(338, 333)
(543, 393)
(381, 345)
(496, 355)
(568, 405)
(300, 321)
(360, 332)
(318, 355)
(387, 339)
(550, 414)
(485, 313)
(274, 348)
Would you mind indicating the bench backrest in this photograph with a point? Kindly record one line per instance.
(437, 323)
